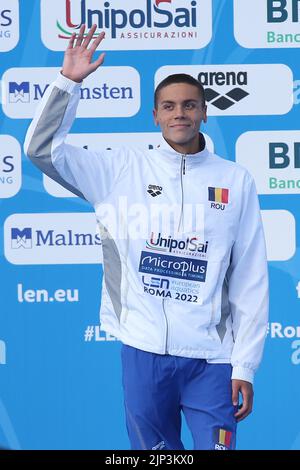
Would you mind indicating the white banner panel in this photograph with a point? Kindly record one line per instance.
(273, 158)
(240, 89)
(61, 238)
(128, 25)
(108, 92)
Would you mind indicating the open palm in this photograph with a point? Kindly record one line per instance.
(78, 57)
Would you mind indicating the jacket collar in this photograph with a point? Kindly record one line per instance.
(196, 158)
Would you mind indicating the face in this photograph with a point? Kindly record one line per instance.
(179, 114)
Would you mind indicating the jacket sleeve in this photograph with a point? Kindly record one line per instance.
(248, 290)
(88, 174)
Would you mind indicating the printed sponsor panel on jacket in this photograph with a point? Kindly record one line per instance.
(273, 158)
(240, 89)
(10, 166)
(147, 24)
(9, 25)
(109, 92)
(106, 141)
(267, 23)
(280, 233)
(53, 238)
(174, 268)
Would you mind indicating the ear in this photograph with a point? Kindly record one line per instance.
(155, 116)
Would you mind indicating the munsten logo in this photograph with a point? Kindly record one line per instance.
(118, 88)
(150, 24)
(21, 92)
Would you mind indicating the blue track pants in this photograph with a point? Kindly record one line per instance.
(158, 387)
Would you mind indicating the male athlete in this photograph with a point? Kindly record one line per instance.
(186, 293)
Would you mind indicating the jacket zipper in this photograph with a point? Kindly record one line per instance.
(182, 173)
(167, 327)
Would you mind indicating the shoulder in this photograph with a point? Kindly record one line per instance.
(231, 167)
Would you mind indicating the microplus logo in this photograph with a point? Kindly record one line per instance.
(150, 24)
(173, 266)
(277, 23)
(52, 239)
(237, 90)
(9, 24)
(111, 92)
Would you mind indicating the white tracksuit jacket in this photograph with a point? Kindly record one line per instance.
(184, 257)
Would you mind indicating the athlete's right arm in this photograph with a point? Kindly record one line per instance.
(88, 174)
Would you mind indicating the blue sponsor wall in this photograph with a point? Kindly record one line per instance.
(60, 375)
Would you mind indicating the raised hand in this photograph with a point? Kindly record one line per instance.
(78, 63)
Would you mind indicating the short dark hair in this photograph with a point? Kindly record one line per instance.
(179, 78)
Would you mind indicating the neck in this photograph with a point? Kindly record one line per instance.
(195, 146)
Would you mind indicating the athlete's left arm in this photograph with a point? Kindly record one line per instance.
(248, 289)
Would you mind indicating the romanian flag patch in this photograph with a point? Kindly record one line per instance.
(225, 437)
(218, 195)
(222, 439)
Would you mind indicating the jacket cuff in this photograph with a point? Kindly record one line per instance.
(242, 373)
(65, 84)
